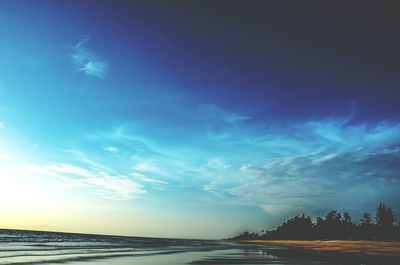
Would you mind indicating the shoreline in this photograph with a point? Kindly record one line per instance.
(351, 247)
(333, 251)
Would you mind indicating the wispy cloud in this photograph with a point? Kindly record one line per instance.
(111, 149)
(147, 167)
(99, 182)
(87, 61)
(281, 210)
(336, 165)
(302, 165)
(2, 125)
(281, 168)
(146, 179)
(214, 112)
(216, 163)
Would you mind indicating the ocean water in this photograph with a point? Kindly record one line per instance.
(35, 247)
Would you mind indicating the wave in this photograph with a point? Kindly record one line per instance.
(36, 247)
(66, 258)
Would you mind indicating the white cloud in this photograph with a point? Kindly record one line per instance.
(234, 117)
(324, 158)
(146, 167)
(214, 112)
(102, 183)
(87, 62)
(144, 178)
(335, 164)
(115, 187)
(217, 163)
(213, 188)
(2, 125)
(111, 149)
(281, 210)
(314, 165)
(69, 169)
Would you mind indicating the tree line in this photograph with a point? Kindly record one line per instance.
(334, 225)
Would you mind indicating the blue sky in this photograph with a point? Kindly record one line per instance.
(162, 121)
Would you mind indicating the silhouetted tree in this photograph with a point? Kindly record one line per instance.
(348, 228)
(346, 218)
(334, 226)
(384, 216)
(247, 236)
(333, 217)
(385, 222)
(366, 219)
(366, 230)
(298, 227)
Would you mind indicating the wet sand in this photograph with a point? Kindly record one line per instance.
(244, 256)
(227, 256)
(359, 247)
(164, 259)
(246, 253)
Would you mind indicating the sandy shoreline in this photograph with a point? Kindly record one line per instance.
(358, 247)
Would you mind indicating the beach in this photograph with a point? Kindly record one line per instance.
(359, 247)
(37, 247)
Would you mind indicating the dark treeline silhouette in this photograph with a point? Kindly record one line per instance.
(334, 225)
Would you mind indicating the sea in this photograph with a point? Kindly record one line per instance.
(38, 247)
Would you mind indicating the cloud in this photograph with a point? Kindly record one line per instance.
(216, 163)
(115, 187)
(111, 149)
(144, 178)
(88, 62)
(149, 172)
(214, 112)
(99, 182)
(147, 167)
(125, 136)
(281, 210)
(69, 169)
(2, 125)
(336, 165)
(324, 158)
(284, 168)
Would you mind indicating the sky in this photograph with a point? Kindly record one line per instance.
(198, 119)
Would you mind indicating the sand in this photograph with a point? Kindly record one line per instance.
(358, 247)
